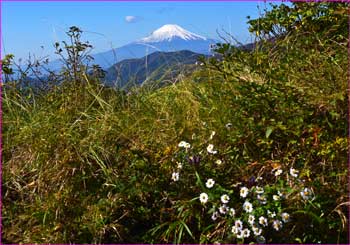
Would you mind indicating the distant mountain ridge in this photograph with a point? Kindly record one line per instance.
(168, 38)
(165, 66)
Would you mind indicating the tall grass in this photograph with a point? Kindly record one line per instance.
(84, 163)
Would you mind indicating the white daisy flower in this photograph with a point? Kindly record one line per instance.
(235, 230)
(203, 197)
(271, 214)
(225, 198)
(184, 144)
(277, 225)
(278, 172)
(244, 192)
(276, 197)
(261, 198)
(248, 207)
(228, 125)
(257, 231)
(285, 217)
(210, 149)
(210, 183)
(218, 162)
(175, 176)
(179, 165)
(251, 219)
(294, 172)
(259, 190)
(263, 221)
(246, 232)
(306, 194)
(232, 212)
(240, 234)
(215, 216)
(223, 209)
(239, 224)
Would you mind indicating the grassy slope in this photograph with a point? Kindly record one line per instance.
(88, 164)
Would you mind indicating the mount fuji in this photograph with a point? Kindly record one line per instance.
(168, 38)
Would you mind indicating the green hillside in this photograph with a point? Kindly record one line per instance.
(248, 148)
(162, 67)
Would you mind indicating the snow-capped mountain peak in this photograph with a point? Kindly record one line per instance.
(169, 32)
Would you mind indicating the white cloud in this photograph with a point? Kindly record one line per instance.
(132, 19)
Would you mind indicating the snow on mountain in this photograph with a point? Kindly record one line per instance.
(168, 38)
(170, 32)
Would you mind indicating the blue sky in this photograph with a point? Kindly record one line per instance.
(29, 26)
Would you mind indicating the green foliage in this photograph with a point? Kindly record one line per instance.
(6, 64)
(77, 54)
(85, 163)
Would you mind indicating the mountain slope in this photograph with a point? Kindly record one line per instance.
(153, 67)
(168, 38)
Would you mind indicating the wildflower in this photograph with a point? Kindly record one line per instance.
(261, 198)
(257, 231)
(218, 162)
(260, 240)
(306, 194)
(203, 197)
(223, 209)
(276, 197)
(248, 207)
(293, 172)
(246, 232)
(225, 198)
(285, 217)
(179, 165)
(175, 176)
(263, 221)
(232, 212)
(184, 144)
(244, 192)
(251, 219)
(239, 224)
(210, 149)
(259, 190)
(271, 214)
(215, 216)
(235, 230)
(277, 225)
(212, 134)
(240, 234)
(228, 125)
(210, 183)
(278, 172)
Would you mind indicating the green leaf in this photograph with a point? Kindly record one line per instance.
(268, 131)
